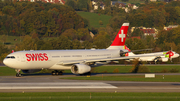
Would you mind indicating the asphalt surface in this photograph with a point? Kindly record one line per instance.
(48, 83)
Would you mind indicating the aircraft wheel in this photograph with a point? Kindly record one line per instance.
(53, 73)
(57, 73)
(60, 73)
(18, 75)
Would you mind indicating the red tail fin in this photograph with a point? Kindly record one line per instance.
(120, 39)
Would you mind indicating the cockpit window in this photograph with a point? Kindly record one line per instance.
(12, 57)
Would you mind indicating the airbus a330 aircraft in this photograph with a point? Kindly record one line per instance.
(78, 61)
(164, 58)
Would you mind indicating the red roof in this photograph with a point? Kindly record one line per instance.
(148, 30)
(169, 29)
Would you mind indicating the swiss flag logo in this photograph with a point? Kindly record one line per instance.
(120, 37)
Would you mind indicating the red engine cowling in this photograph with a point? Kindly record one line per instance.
(80, 69)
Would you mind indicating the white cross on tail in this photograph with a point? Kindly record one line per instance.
(122, 35)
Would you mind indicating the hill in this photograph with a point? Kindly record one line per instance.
(95, 18)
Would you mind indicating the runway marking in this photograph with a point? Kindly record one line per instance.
(64, 85)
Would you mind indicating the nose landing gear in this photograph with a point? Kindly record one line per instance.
(18, 74)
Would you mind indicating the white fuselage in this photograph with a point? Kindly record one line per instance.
(154, 57)
(51, 59)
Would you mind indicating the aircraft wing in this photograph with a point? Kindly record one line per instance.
(69, 62)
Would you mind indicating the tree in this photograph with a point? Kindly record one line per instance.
(100, 22)
(3, 52)
(3, 39)
(87, 45)
(146, 1)
(27, 44)
(83, 34)
(102, 40)
(135, 44)
(71, 3)
(150, 42)
(62, 43)
(116, 22)
(82, 4)
(137, 32)
(76, 44)
(71, 34)
(107, 3)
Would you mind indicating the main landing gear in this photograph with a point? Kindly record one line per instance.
(56, 72)
(18, 74)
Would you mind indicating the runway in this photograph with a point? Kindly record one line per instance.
(48, 83)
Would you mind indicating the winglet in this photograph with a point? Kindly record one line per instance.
(120, 39)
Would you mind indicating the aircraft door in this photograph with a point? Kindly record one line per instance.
(18, 58)
(23, 58)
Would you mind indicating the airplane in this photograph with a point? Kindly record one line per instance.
(164, 58)
(78, 61)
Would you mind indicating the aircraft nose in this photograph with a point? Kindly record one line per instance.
(177, 55)
(5, 61)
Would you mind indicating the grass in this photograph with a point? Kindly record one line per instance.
(5, 71)
(103, 96)
(95, 18)
(10, 40)
(158, 78)
(126, 69)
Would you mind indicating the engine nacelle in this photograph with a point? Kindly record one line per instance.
(164, 59)
(31, 71)
(123, 52)
(80, 69)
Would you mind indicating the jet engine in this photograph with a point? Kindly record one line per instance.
(164, 59)
(123, 52)
(80, 69)
(31, 71)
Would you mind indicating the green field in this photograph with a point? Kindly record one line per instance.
(89, 96)
(5, 71)
(95, 18)
(126, 69)
(11, 40)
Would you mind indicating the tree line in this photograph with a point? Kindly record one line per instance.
(22, 18)
(55, 26)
